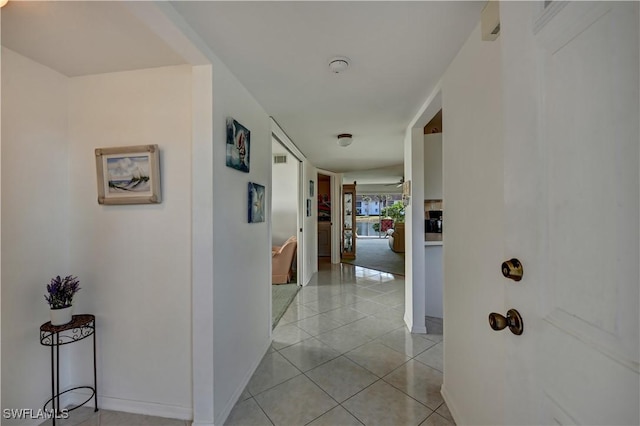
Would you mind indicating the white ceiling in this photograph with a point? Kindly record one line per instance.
(79, 38)
(279, 51)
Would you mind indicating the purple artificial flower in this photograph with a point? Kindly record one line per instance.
(61, 291)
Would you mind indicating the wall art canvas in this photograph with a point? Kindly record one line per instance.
(128, 175)
(238, 145)
(324, 207)
(256, 203)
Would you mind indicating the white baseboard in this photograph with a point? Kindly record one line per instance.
(415, 328)
(455, 413)
(419, 329)
(222, 417)
(136, 407)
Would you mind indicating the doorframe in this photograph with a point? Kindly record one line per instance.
(415, 286)
(336, 199)
(281, 137)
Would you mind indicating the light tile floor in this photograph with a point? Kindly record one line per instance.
(341, 355)
(85, 416)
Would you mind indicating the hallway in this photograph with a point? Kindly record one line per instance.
(341, 355)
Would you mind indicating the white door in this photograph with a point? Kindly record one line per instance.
(572, 211)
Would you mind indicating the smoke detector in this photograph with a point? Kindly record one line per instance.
(345, 139)
(338, 64)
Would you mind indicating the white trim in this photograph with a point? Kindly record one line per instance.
(336, 197)
(418, 329)
(453, 409)
(284, 139)
(429, 108)
(408, 321)
(202, 352)
(414, 256)
(302, 229)
(136, 407)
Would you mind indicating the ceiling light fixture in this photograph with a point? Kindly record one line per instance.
(345, 139)
(3, 3)
(338, 64)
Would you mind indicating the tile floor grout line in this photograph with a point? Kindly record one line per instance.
(353, 414)
(419, 402)
(285, 358)
(281, 383)
(379, 377)
(265, 413)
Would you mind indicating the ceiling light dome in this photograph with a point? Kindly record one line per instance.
(338, 64)
(345, 139)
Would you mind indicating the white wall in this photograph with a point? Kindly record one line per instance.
(284, 197)
(135, 261)
(473, 241)
(242, 250)
(414, 232)
(35, 221)
(433, 166)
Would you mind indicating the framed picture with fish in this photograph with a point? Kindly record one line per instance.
(128, 175)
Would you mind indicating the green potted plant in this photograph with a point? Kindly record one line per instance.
(395, 212)
(60, 298)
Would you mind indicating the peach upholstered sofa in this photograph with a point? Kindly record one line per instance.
(282, 261)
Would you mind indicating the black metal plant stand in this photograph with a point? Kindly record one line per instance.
(54, 336)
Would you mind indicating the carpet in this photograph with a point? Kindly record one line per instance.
(281, 296)
(374, 253)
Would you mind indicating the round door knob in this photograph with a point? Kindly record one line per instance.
(513, 320)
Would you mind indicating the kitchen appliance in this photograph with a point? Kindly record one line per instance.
(434, 223)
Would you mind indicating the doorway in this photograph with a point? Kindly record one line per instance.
(379, 223)
(285, 223)
(324, 197)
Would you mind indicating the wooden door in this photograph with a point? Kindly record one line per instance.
(572, 211)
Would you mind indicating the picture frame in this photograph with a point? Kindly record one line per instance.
(128, 175)
(238, 146)
(311, 188)
(308, 207)
(256, 203)
(406, 188)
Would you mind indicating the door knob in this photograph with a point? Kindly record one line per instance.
(513, 320)
(512, 269)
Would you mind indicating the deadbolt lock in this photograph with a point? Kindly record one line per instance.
(512, 269)
(513, 320)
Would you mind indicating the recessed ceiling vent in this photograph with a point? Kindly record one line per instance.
(279, 158)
